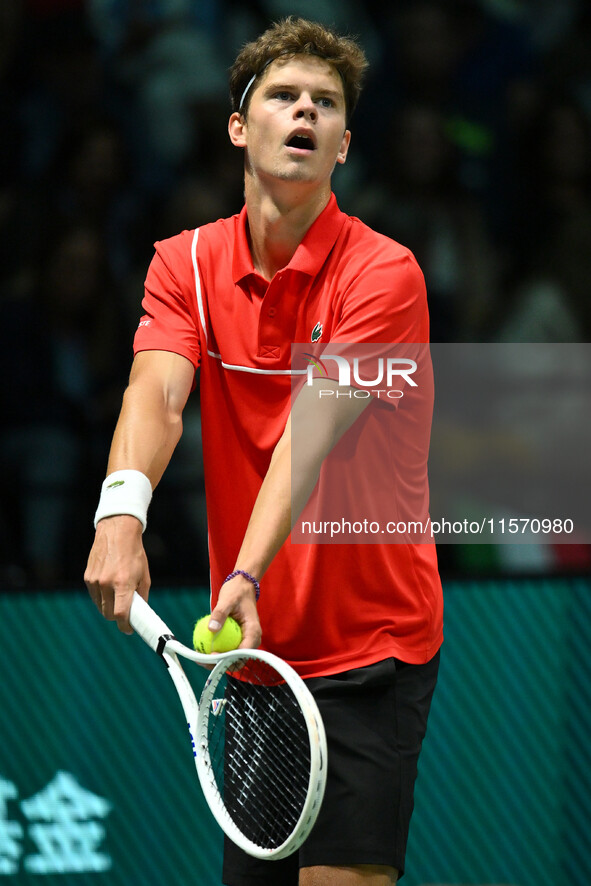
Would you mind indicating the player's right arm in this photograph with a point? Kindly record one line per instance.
(147, 432)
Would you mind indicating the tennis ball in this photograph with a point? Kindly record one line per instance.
(206, 641)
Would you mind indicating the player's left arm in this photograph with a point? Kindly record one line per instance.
(283, 494)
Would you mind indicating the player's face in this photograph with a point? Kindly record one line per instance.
(295, 128)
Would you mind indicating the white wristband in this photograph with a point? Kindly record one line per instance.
(125, 492)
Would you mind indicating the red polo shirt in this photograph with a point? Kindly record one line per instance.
(323, 608)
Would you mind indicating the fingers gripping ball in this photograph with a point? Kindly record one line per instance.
(206, 641)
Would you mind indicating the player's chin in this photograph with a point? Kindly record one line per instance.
(297, 176)
(298, 169)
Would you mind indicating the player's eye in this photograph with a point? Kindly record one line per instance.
(282, 95)
(326, 102)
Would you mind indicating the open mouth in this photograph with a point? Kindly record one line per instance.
(302, 143)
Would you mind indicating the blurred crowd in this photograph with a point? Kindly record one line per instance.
(471, 145)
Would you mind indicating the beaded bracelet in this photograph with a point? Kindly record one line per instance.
(249, 577)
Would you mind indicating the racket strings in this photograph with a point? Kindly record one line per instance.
(294, 793)
(255, 748)
(276, 813)
(281, 750)
(260, 753)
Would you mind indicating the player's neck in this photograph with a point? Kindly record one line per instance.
(278, 223)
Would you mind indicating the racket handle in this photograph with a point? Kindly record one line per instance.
(147, 624)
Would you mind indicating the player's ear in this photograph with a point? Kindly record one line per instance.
(236, 130)
(342, 155)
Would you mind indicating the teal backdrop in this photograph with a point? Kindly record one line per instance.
(97, 782)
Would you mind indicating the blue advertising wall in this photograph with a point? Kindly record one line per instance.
(97, 783)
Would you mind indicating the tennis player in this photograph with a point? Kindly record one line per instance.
(361, 623)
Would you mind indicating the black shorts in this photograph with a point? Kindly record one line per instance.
(375, 720)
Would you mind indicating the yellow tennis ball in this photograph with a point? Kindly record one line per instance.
(206, 641)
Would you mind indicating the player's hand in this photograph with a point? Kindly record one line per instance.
(237, 598)
(117, 566)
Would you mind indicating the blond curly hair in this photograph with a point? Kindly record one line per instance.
(297, 36)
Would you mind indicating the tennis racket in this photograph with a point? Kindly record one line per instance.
(257, 736)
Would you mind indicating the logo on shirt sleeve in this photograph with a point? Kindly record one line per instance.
(316, 333)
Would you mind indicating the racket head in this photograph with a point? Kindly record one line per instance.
(258, 740)
(261, 753)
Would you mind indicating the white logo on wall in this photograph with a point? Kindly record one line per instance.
(63, 823)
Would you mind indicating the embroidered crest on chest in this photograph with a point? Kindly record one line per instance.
(316, 333)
